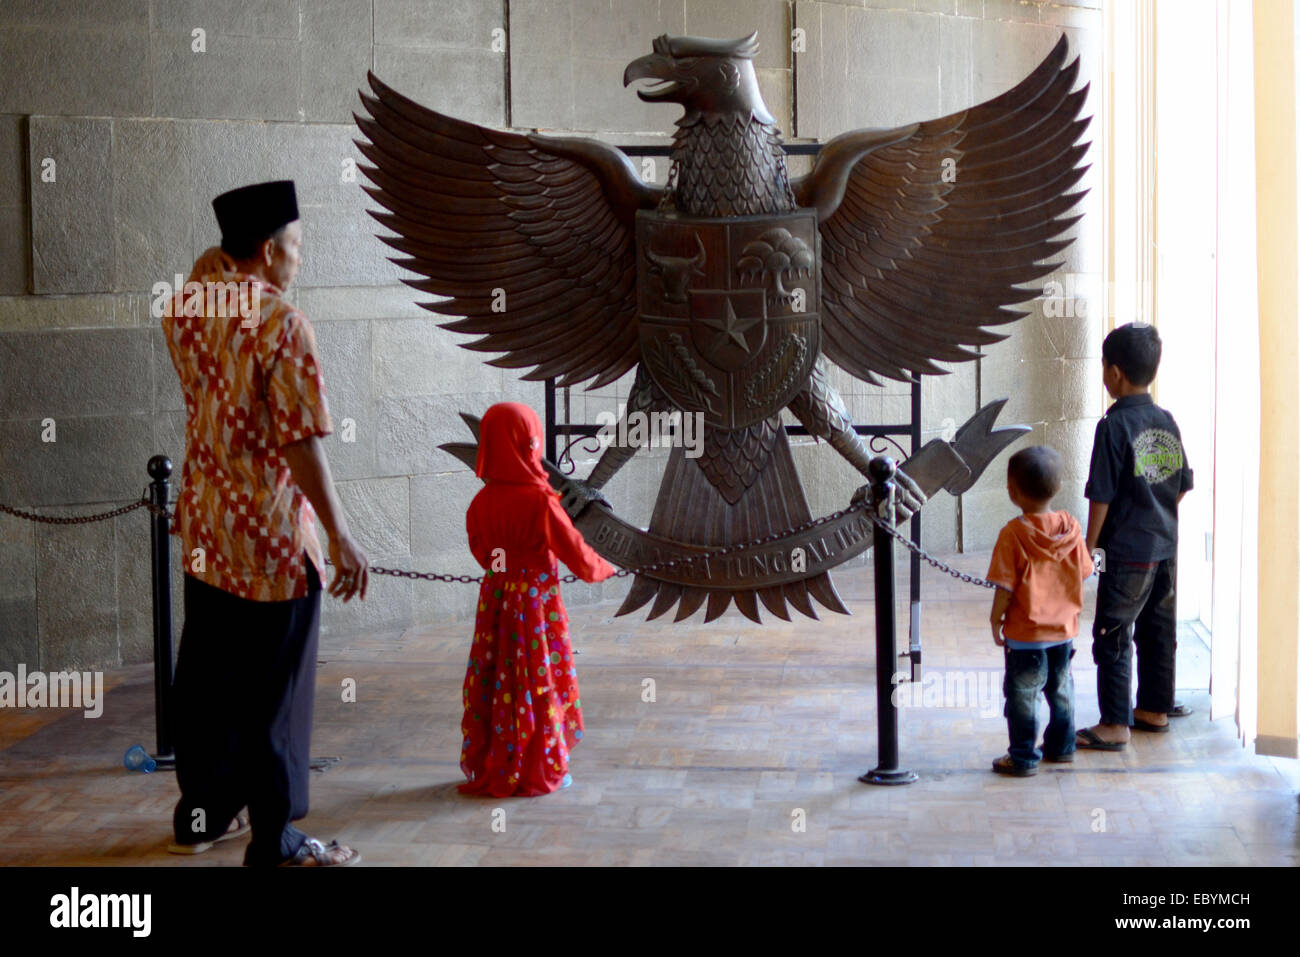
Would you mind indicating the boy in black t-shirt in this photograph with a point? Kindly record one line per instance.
(1138, 476)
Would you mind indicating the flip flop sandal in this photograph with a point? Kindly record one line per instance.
(1092, 741)
(242, 827)
(313, 849)
(1180, 711)
(1140, 725)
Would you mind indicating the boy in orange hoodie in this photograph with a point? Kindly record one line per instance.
(1039, 565)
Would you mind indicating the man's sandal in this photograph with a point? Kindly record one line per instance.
(1087, 738)
(315, 854)
(238, 828)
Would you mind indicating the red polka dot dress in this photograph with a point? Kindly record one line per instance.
(523, 712)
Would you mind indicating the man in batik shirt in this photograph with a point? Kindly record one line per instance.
(255, 476)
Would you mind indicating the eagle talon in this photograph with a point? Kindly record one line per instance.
(576, 495)
(908, 498)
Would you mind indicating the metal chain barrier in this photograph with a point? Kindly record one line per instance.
(929, 559)
(566, 579)
(85, 519)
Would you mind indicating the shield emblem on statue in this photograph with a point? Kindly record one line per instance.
(728, 311)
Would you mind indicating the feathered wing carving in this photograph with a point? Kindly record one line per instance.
(914, 267)
(531, 237)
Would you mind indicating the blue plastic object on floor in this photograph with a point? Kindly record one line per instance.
(138, 759)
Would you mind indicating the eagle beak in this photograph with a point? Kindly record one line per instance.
(652, 66)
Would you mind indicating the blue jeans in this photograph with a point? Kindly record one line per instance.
(1136, 607)
(1044, 670)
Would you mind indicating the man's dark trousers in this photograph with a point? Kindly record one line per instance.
(243, 692)
(1135, 607)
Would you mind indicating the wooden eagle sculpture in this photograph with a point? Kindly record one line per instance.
(729, 289)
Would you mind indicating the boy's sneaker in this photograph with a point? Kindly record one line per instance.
(1059, 758)
(1004, 765)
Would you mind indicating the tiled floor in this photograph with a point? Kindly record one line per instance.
(748, 754)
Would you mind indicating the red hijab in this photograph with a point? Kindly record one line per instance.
(510, 446)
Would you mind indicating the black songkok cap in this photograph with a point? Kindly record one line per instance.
(251, 214)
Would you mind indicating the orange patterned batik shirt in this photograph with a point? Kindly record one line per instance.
(253, 384)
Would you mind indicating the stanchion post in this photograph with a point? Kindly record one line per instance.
(887, 770)
(160, 470)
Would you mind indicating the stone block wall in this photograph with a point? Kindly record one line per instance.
(121, 119)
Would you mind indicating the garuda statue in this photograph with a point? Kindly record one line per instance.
(728, 289)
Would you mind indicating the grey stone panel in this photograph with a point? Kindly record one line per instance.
(810, 90)
(1022, 10)
(168, 440)
(154, 226)
(15, 244)
(449, 23)
(238, 77)
(541, 91)
(17, 558)
(955, 69)
(321, 159)
(345, 357)
(378, 512)
(412, 427)
(95, 460)
(387, 606)
(104, 15)
(19, 638)
(539, 30)
(223, 155)
(76, 579)
(1004, 53)
(415, 357)
(234, 18)
(331, 73)
(602, 103)
(622, 29)
(771, 18)
(14, 250)
(468, 83)
(167, 392)
(45, 70)
(328, 304)
(446, 601)
(66, 374)
(338, 20)
(775, 87)
(339, 249)
(72, 216)
(438, 506)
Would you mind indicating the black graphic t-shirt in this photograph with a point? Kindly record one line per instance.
(1139, 469)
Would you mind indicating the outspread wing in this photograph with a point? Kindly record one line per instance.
(929, 230)
(531, 237)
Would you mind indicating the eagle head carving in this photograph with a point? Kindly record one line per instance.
(705, 76)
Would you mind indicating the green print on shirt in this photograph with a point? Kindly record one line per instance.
(1157, 455)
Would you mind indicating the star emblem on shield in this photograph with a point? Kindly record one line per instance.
(730, 326)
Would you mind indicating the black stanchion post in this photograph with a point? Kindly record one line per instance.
(160, 470)
(887, 770)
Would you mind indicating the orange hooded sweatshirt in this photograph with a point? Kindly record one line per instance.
(1043, 561)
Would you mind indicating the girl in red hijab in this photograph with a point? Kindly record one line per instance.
(522, 711)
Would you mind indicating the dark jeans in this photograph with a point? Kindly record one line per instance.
(1045, 670)
(1135, 609)
(243, 692)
